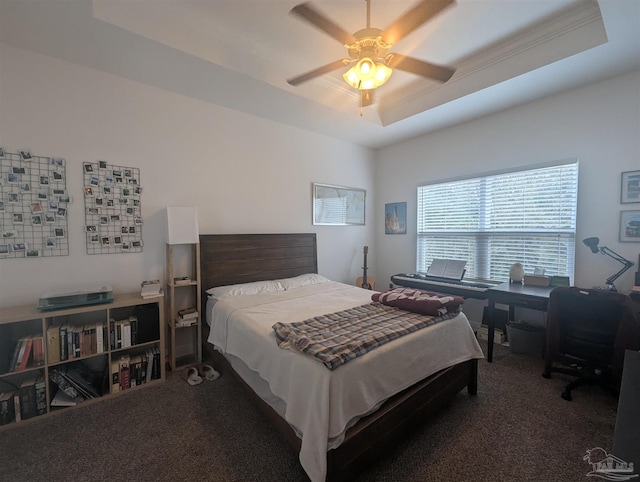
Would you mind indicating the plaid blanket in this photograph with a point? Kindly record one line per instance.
(336, 338)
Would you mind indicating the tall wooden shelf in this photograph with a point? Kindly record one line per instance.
(181, 296)
(27, 321)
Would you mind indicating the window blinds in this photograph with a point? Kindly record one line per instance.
(493, 221)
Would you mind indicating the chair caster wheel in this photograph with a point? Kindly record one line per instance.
(566, 396)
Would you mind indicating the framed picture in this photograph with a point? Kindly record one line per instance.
(395, 218)
(338, 205)
(630, 226)
(630, 189)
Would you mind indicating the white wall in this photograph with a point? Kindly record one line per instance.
(599, 124)
(245, 174)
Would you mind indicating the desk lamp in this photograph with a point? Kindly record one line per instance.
(592, 243)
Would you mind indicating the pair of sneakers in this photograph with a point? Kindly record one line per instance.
(195, 374)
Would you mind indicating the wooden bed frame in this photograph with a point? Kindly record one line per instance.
(242, 258)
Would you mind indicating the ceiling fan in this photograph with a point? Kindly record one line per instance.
(368, 48)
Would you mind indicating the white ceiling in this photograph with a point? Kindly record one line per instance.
(239, 53)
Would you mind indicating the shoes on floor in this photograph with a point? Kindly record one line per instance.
(207, 372)
(191, 376)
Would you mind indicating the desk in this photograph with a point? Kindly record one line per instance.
(514, 295)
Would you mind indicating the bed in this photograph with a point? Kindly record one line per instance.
(339, 421)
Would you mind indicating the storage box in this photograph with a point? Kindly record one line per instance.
(525, 338)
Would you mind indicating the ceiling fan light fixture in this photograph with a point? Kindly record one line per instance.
(367, 74)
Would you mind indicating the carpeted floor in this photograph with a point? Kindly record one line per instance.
(516, 429)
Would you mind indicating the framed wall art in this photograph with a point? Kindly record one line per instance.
(338, 205)
(630, 226)
(630, 189)
(395, 218)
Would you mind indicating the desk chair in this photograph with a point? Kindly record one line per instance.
(587, 334)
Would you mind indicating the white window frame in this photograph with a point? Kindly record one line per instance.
(525, 215)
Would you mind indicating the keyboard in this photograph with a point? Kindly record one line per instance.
(466, 289)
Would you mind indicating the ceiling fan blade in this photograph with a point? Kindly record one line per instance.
(311, 15)
(325, 69)
(412, 19)
(420, 67)
(366, 97)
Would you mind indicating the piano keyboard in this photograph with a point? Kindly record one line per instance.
(466, 289)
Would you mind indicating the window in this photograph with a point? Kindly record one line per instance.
(526, 216)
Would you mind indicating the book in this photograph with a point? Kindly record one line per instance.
(115, 376)
(16, 405)
(55, 375)
(188, 314)
(81, 378)
(150, 288)
(182, 280)
(16, 354)
(28, 398)
(7, 410)
(25, 354)
(61, 399)
(154, 294)
(38, 351)
(125, 373)
(99, 338)
(41, 396)
(53, 344)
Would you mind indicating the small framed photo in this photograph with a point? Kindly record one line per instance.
(117, 173)
(95, 180)
(13, 197)
(9, 234)
(630, 226)
(13, 178)
(104, 220)
(4, 249)
(95, 238)
(18, 170)
(33, 253)
(57, 161)
(18, 218)
(49, 218)
(88, 167)
(18, 247)
(58, 192)
(25, 155)
(64, 199)
(1, 154)
(61, 212)
(26, 187)
(98, 201)
(91, 228)
(136, 244)
(106, 241)
(125, 246)
(630, 189)
(57, 176)
(36, 220)
(93, 211)
(88, 191)
(102, 164)
(43, 195)
(36, 207)
(50, 242)
(117, 240)
(58, 232)
(44, 180)
(53, 206)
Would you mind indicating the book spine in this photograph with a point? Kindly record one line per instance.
(24, 360)
(53, 344)
(28, 401)
(115, 376)
(63, 343)
(16, 405)
(41, 396)
(99, 338)
(125, 374)
(7, 411)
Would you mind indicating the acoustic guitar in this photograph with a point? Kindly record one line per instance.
(363, 281)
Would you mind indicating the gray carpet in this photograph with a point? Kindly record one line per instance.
(516, 429)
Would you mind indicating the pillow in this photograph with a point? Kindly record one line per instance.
(303, 280)
(254, 288)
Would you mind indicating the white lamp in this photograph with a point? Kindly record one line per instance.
(182, 225)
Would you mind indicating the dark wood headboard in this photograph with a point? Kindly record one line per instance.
(227, 259)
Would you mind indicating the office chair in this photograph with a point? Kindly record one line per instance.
(588, 331)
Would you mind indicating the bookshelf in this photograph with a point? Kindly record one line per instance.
(183, 293)
(99, 351)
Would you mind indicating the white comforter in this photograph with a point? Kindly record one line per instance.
(320, 403)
